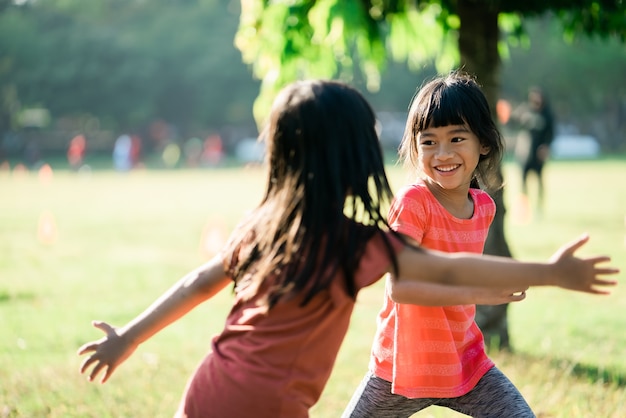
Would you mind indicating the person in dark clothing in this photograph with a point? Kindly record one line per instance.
(533, 144)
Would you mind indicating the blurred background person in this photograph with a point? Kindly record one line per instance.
(212, 151)
(136, 149)
(122, 160)
(532, 149)
(76, 151)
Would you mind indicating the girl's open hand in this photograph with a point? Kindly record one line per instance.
(107, 353)
(581, 274)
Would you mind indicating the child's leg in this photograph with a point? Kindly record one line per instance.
(493, 397)
(539, 171)
(373, 399)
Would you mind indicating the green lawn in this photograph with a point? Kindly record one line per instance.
(121, 239)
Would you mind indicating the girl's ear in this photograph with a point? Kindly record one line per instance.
(485, 149)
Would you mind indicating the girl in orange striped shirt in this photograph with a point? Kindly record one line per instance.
(434, 355)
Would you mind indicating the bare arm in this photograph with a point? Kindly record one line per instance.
(434, 294)
(563, 270)
(119, 343)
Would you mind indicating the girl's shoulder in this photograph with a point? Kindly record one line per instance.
(377, 256)
(481, 197)
(483, 203)
(415, 190)
(416, 197)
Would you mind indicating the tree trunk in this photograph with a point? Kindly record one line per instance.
(478, 46)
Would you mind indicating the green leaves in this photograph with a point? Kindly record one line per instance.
(285, 40)
(343, 39)
(605, 18)
(289, 40)
(126, 61)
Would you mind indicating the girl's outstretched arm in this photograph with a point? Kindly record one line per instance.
(119, 343)
(563, 269)
(435, 294)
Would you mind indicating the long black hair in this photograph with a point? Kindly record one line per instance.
(455, 99)
(325, 194)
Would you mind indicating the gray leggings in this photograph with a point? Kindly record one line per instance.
(494, 396)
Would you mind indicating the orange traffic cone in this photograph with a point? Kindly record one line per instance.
(47, 229)
(522, 212)
(45, 174)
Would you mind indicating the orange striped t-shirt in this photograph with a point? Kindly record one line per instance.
(433, 352)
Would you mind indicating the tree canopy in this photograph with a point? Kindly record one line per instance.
(286, 40)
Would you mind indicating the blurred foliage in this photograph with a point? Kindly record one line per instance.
(286, 40)
(127, 63)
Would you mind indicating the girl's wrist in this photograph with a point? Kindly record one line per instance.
(552, 275)
(128, 336)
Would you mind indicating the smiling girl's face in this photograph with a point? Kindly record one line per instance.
(448, 155)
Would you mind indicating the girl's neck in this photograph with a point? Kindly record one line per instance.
(456, 201)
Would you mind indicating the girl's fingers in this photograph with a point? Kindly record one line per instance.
(96, 370)
(109, 371)
(100, 366)
(103, 326)
(86, 364)
(93, 346)
(576, 244)
(595, 291)
(604, 282)
(517, 296)
(94, 359)
(606, 270)
(569, 249)
(86, 348)
(599, 259)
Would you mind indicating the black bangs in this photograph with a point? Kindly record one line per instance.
(450, 102)
(441, 110)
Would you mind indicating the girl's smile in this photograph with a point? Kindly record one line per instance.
(447, 168)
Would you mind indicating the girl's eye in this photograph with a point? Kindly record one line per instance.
(457, 139)
(427, 142)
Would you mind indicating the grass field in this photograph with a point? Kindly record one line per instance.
(109, 243)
